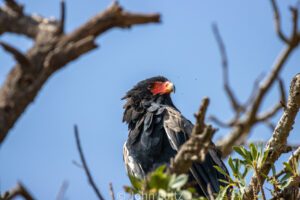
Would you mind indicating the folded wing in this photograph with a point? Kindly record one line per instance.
(178, 130)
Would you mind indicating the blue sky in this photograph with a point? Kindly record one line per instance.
(40, 148)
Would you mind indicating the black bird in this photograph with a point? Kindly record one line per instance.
(156, 131)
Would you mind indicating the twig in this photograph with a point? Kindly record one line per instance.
(111, 190)
(85, 166)
(62, 17)
(234, 103)
(277, 144)
(277, 22)
(260, 185)
(200, 117)
(13, 5)
(19, 190)
(62, 190)
(19, 57)
(196, 147)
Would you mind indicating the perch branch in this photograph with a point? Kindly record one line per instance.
(198, 144)
(277, 144)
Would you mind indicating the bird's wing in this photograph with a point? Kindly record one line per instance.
(133, 168)
(178, 130)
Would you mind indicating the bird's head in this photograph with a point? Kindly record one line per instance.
(151, 88)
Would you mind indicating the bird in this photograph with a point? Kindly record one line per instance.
(157, 129)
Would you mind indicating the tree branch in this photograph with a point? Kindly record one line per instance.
(14, 6)
(85, 166)
(19, 190)
(244, 122)
(234, 102)
(51, 51)
(111, 191)
(19, 57)
(62, 16)
(195, 149)
(278, 22)
(277, 144)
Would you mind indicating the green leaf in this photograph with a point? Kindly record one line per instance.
(254, 152)
(288, 167)
(285, 178)
(179, 181)
(160, 169)
(245, 172)
(219, 169)
(136, 182)
(244, 153)
(232, 166)
(223, 193)
(184, 195)
(266, 153)
(273, 170)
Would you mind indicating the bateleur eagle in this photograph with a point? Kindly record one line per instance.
(157, 129)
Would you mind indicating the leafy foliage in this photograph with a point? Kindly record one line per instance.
(161, 185)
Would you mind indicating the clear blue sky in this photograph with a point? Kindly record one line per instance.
(40, 148)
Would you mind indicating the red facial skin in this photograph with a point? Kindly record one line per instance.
(162, 88)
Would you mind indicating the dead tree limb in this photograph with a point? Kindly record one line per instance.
(19, 191)
(248, 114)
(277, 144)
(85, 166)
(196, 148)
(52, 50)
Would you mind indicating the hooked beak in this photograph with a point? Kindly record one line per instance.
(169, 87)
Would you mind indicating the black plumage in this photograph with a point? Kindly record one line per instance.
(156, 131)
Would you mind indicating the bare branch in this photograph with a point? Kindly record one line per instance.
(13, 5)
(20, 57)
(113, 16)
(195, 149)
(62, 191)
(19, 190)
(240, 132)
(294, 11)
(85, 166)
(268, 114)
(234, 103)
(282, 91)
(51, 51)
(62, 16)
(269, 125)
(200, 117)
(220, 123)
(30, 26)
(277, 144)
(248, 117)
(192, 150)
(255, 88)
(111, 190)
(277, 22)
